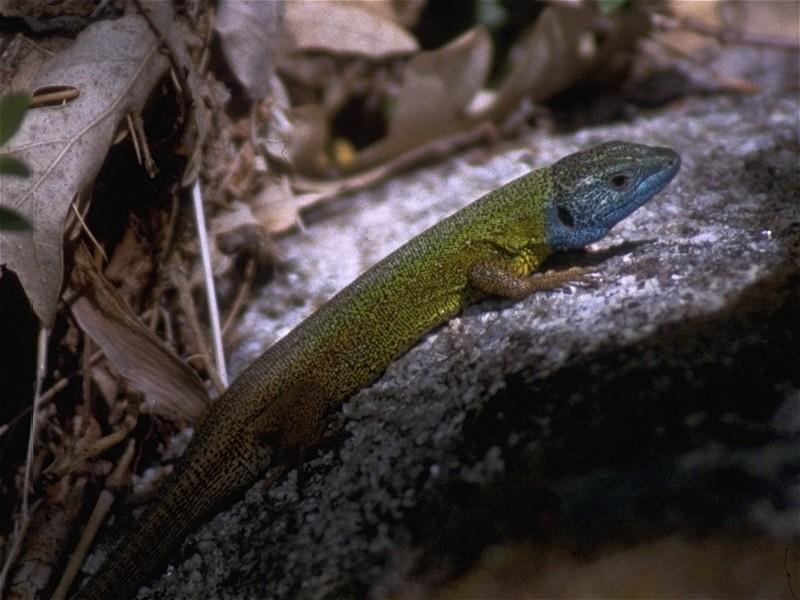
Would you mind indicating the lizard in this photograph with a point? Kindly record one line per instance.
(281, 402)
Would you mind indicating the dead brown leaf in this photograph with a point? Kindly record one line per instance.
(344, 28)
(437, 88)
(114, 65)
(171, 388)
(551, 56)
(277, 207)
(774, 18)
(274, 208)
(709, 23)
(247, 31)
(405, 12)
(689, 41)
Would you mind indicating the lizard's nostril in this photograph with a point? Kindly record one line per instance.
(673, 159)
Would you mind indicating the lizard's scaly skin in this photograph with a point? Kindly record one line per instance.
(281, 400)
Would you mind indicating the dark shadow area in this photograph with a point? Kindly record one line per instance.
(18, 326)
(591, 260)
(441, 21)
(17, 346)
(598, 101)
(683, 431)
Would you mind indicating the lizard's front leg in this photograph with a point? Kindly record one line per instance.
(494, 277)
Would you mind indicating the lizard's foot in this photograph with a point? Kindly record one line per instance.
(550, 280)
(493, 277)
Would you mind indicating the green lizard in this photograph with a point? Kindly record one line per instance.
(279, 403)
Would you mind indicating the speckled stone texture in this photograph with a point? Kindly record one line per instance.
(643, 427)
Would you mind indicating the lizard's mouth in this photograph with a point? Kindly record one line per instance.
(667, 167)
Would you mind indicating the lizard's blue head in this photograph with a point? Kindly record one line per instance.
(595, 189)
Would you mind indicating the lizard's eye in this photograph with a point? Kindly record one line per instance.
(620, 181)
(565, 216)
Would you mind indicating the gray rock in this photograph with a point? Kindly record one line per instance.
(662, 398)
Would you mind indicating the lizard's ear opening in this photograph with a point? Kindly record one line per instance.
(565, 216)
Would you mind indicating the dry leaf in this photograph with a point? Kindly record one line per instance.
(397, 12)
(171, 388)
(380, 8)
(769, 18)
(409, 11)
(277, 207)
(114, 65)
(274, 208)
(278, 126)
(437, 88)
(689, 41)
(773, 18)
(552, 56)
(345, 28)
(247, 31)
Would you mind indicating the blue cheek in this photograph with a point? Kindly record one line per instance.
(561, 237)
(654, 184)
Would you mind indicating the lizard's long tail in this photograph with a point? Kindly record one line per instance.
(190, 493)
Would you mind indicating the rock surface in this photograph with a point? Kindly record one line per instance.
(645, 428)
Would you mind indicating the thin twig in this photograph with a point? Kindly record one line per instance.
(35, 46)
(114, 483)
(41, 371)
(211, 295)
(242, 294)
(89, 232)
(60, 467)
(186, 301)
(175, 81)
(132, 132)
(205, 55)
(65, 464)
(54, 98)
(169, 230)
(139, 133)
(169, 334)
